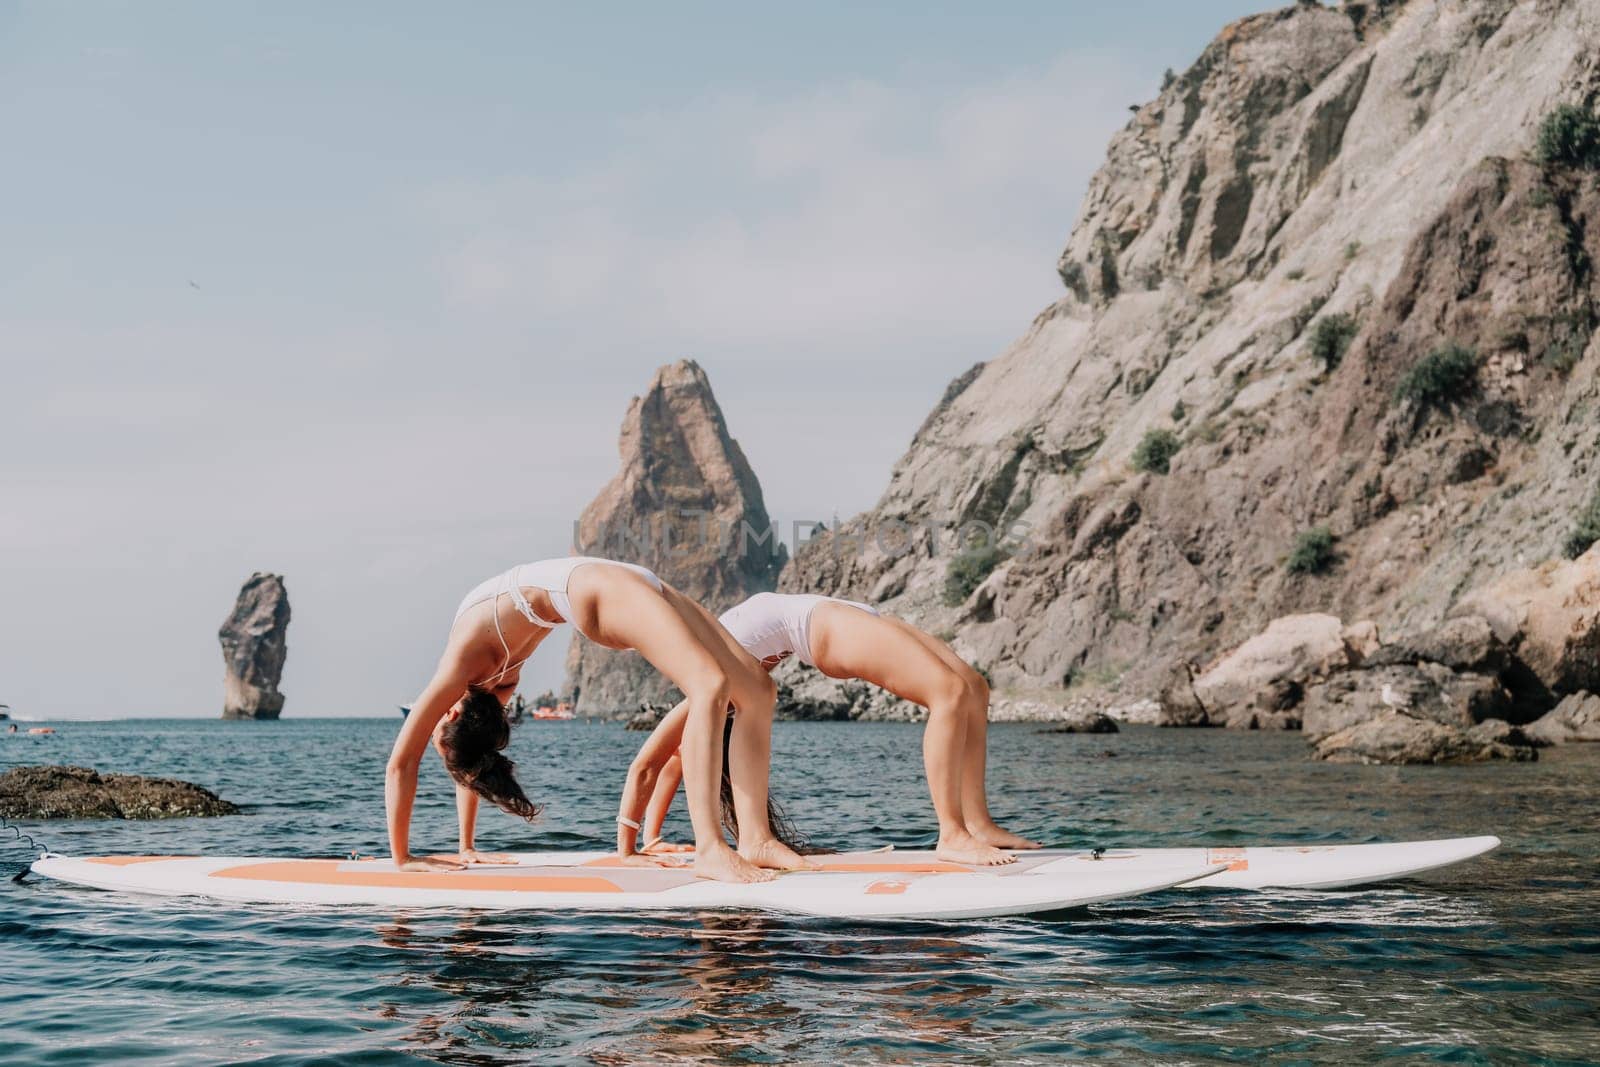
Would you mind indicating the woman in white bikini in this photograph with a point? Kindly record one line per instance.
(618, 605)
(844, 639)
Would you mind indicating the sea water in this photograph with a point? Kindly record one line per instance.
(1494, 960)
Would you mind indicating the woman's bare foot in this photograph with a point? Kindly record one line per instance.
(1001, 838)
(723, 864)
(965, 848)
(773, 854)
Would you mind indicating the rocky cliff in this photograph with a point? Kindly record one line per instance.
(1326, 344)
(255, 642)
(686, 504)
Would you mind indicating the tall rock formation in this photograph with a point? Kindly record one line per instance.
(255, 641)
(1322, 308)
(685, 504)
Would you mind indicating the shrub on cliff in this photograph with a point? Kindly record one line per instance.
(1313, 552)
(1155, 451)
(1570, 137)
(967, 571)
(1440, 378)
(1587, 530)
(1330, 338)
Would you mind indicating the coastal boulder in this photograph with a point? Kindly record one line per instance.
(82, 793)
(1463, 643)
(1422, 690)
(255, 642)
(684, 503)
(1549, 617)
(1576, 718)
(1259, 684)
(1397, 737)
(1176, 705)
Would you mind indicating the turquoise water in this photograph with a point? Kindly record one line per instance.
(1494, 961)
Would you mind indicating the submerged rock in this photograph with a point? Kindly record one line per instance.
(255, 643)
(83, 793)
(1577, 718)
(1398, 737)
(1088, 722)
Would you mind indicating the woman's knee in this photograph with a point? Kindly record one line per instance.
(755, 691)
(962, 691)
(708, 683)
(975, 690)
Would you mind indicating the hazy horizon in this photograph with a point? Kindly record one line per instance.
(359, 294)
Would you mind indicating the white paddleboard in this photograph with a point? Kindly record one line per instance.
(852, 885)
(1252, 867)
(1286, 866)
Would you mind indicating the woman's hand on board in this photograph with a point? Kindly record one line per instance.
(657, 848)
(471, 856)
(640, 859)
(427, 863)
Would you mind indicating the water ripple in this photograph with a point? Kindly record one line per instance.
(1495, 961)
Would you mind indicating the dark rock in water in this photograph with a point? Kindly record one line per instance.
(1396, 737)
(83, 793)
(1424, 690)
(1089, 722)
(686, 504)
(1576, 718)
(254, 646)
(648, 717)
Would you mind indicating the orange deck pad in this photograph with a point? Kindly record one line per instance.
(844, 866)
(1233, 857)
(125, 861)
(327, 872)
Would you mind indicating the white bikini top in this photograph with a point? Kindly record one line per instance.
(774, 626)
(551, 575)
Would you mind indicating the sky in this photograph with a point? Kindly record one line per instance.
(358, 292)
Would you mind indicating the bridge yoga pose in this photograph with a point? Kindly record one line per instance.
(844, 639)
(498, 627)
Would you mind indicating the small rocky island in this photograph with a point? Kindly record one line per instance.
(255, 643)
(84, 793)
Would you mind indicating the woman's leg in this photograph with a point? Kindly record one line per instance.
(750, 743)
(974, 791)
(849, 643)
(622, 610)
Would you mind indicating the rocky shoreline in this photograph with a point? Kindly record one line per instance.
(58, 792)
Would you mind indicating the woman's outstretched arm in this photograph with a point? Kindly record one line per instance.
(655, 814)
(637, 791)
(400, 777)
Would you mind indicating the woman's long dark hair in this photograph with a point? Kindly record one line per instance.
(782, 828)
(472, 744)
